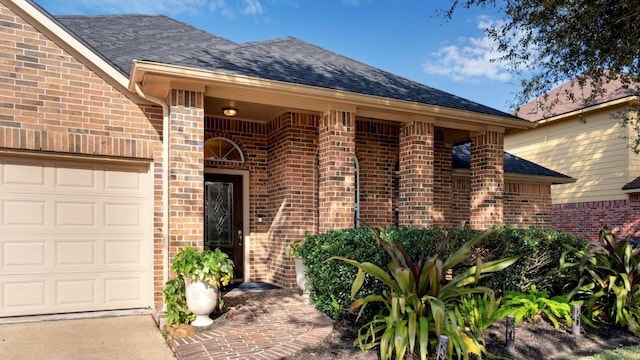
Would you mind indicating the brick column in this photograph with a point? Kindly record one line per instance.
(487, 180)
(186, 169)
(442, 181)
(416, 174)
(336, 150)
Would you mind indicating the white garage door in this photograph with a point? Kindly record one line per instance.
(74, 236)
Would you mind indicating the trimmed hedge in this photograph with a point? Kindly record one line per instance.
(331, 281)
(540, 252)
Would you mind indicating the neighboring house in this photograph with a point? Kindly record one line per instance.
(587, 143)
(125, 138)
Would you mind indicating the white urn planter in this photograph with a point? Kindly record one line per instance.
(301, 279)
(202, 299)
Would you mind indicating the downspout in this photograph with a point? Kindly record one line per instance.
(165, 179)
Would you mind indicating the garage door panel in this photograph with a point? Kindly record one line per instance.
(123, 252)
(16, 255)
(80, 292)
(23, 212)
(75, 253)
(28, 174)
(74, 237)
(123, 215)
(120, 180)
(123, 290)
(19, 295)
(75, 213)
(75, 178)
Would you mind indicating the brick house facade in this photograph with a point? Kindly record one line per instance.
(299, 153)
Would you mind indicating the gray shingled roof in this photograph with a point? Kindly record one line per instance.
(122, 38)
(632, 185)
(512, 163)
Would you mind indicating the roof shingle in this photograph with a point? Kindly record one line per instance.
(512, 164)
(122, 38)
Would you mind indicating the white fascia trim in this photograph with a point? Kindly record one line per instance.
(68, 42)
(333, 97)
(589, 109)
(521, 178)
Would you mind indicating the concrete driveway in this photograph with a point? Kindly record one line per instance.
(134, 337)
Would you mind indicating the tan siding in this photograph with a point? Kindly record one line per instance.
(634, 159)
(590, 150)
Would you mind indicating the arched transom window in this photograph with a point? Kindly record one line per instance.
(222, 149)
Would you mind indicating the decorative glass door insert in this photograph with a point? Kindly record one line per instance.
(218, 214)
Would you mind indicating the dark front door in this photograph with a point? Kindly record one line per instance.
(223, 217)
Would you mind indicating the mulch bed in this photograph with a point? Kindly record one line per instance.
(535, 340)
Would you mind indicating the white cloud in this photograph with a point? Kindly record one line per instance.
(472, 59)
(140, 6)
(355, 2)
(253, 7)
(228, 9)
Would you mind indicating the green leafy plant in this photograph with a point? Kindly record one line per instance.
(294, 250)
(176, 302)
(210, 266)
(534, 304)
(418, 301)
(478, 312)
(610, 285)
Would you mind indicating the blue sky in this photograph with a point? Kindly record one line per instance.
(405, 37)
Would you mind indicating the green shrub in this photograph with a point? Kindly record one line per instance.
(330, 288)
(610, 285)
(419, 304)
(540, 252)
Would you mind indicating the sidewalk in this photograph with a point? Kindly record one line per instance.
(134, 337)
(260, 324)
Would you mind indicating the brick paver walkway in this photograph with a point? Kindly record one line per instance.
(260, 324)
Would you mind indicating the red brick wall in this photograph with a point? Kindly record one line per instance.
(527, 205)
(586, 219)
(442, 181)
(186, 185)
(524, 204)
(487, 180)
(336, 153)
(292, 188)
(416, 174)
(460, 201)
(377, 152)
(52, 103)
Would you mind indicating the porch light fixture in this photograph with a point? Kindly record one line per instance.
(229, 111)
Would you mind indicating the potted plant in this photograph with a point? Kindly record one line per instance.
(294, 250)
(204, 272)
